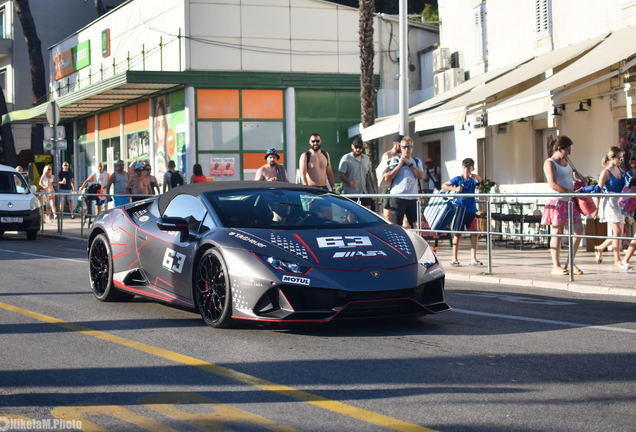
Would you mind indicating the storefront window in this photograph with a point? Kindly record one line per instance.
(217, 136)
(246, 121)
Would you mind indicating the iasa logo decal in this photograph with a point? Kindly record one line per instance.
(359, 254)
(296, 280)
(173, 261)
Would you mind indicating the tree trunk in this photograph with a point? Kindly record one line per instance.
(38, 79)
(99, 7)
(367, 90)
(6, 133)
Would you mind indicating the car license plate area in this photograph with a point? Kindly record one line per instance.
(11, 220)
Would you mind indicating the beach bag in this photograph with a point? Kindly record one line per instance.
(439, 211)
(628, 204)
(586, 206)
(458, 217)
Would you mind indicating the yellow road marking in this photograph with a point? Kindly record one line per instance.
(164, 403)
(70, 413)
(290, 392)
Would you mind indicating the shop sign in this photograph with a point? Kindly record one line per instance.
(82, 55)
(63, 64)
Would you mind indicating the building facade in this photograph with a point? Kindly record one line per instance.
(215, 82)
(54, 21)
(534, 68)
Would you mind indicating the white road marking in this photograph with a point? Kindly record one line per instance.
(518, 299)
(544, 321)
(44, 256)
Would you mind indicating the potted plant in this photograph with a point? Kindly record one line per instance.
(486, 186)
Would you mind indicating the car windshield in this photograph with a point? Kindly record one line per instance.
(12, 183)
(288, 209)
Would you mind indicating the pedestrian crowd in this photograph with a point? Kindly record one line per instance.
(401, 177)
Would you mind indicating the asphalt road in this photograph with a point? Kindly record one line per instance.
(505, 359)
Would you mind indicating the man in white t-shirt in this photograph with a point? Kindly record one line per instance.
(101, 178)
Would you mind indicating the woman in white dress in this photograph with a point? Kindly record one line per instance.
(611, 180)
(47, 182)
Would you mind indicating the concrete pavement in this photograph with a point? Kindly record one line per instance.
(529, 267)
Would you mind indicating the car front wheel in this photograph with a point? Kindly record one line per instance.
(101, 272)
(212, 290)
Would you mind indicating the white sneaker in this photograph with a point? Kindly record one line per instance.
(625, 267)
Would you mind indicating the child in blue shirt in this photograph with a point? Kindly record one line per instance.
(466, 183)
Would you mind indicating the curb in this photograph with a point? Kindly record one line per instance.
(572, 287)
(62, 237)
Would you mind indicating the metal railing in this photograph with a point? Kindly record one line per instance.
(520, 198)
(85, 200)
(487, 199)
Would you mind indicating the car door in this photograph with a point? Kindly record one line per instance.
(164, 256)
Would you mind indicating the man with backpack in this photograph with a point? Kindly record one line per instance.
(315, 167)
(172, 178)
(433, 176)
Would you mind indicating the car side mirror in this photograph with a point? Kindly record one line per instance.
(174, 224)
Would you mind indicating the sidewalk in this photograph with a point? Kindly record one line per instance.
(529, 267)
(532, 267)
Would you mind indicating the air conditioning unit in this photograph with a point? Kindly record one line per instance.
(441, 59)
(438, 83)
(454, 77)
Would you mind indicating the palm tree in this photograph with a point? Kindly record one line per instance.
(367, 90)
(38, 79)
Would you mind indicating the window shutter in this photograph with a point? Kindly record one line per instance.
(480, 33)
(542, 18)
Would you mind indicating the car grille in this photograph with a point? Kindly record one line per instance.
(320, 303)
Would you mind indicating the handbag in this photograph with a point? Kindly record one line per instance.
(585, 206)
(628, 204)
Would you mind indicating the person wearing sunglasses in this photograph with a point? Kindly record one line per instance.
(315, 167)
(153, 180)
(67, 186)
(404, 173)
(139, 184)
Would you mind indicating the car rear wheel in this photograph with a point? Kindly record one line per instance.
(212, 290)
(101, 272)
(32, 235)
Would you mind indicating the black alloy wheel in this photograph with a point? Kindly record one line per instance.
(101, 272)
(212, 290)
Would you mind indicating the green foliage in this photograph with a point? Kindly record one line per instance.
(486, 186)
(430, 14)
(591, 181)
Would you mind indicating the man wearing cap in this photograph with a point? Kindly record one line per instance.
(272, 171)
(139, 184)
(353, 171)
(432, 176)
(382, 168)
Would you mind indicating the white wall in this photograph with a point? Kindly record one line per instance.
(275, 35)
(136, 26)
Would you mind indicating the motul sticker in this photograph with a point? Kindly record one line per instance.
(296, 280)
(359, 254)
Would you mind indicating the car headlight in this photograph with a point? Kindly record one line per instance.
(428, 258)
(283, 265)
(35, 203)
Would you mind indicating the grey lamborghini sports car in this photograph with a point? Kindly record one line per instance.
(263, 251)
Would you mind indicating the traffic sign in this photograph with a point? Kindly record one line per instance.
(53, 113)
(60, 131)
